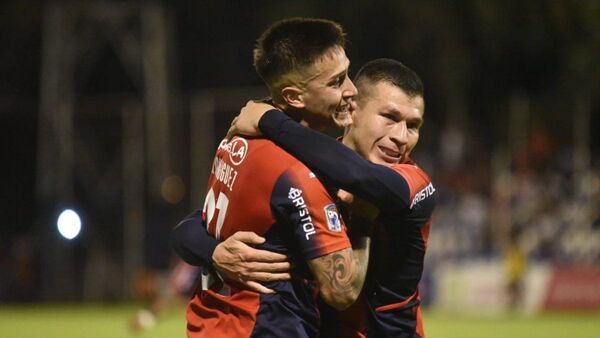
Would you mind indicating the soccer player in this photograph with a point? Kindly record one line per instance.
(179, 286)
(256, 186)
(384, 130)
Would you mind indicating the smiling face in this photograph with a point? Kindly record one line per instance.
(385, 124)
(324, 90)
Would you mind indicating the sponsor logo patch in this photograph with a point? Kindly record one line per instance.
(295, 195)
(237, 149)
(332, 215)
(423, 194)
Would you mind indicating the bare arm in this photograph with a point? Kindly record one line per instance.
(341, 274)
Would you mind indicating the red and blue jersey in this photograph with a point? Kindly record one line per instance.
(389, 305)
(256, 186)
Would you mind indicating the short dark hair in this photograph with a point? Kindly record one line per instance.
(391, 71)
(294, 43)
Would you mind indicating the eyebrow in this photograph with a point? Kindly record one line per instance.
(335, 76)
(418, 120)
(398, 112)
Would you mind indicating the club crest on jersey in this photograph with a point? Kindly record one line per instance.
(333, 218)
(237, 149)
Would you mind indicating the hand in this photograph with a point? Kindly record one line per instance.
(359, 206)
(246, 123)
(236, 260)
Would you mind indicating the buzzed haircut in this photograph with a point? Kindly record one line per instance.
(392, 72)
(293, 44)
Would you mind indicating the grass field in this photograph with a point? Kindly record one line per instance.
(111, 321)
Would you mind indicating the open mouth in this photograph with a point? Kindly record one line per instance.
(389, 155)
(343, 116)
(343, 110)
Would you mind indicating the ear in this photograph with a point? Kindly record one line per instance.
(293, 96)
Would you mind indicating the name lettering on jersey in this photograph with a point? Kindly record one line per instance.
(295, 195)
(224, 172)
(333, 218)
(237, 149)
(423, 194)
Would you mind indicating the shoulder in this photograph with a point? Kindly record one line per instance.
(261, 157)
(419, 182)
(258, 151)
(411, 172)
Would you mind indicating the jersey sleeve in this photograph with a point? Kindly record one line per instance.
(192, 242)
(301, 202)
(337, 164)
(419, 183)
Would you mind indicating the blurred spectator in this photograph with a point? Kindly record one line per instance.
(515, 265)
(161, 293)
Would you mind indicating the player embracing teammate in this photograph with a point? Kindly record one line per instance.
(372, 163)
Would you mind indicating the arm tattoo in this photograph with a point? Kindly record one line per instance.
(339, 270)
(341, 274)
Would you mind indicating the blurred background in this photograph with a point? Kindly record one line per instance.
(112, 111)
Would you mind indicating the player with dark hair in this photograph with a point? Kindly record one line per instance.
(384, 130)
(256, 186)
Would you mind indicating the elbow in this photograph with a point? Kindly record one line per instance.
(179, 241)
(340, 300)
(175, 239)
(177, 245)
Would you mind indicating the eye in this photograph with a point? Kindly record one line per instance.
(338, 81)
(413, 125)
(390, 117)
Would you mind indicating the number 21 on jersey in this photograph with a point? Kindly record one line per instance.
(210, 204)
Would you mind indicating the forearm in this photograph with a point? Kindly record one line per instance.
(360, 251)
(341, 275)
(192, 242)
(335, 163)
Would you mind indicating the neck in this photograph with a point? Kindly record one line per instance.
(348, 141)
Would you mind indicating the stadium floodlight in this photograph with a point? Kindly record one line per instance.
(69, 224)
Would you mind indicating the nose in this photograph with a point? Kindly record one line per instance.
(349, 90)
(399, 134)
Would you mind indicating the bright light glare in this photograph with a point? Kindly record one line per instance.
(69, 224)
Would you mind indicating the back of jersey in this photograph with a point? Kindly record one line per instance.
(240, 185)
(256, 186)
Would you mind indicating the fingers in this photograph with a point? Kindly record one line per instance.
(268, 277)
(269, 267)
(250, 254)
(232, 128)
(231, 133)
(345, 196)
(248, 237)
(241, 243)
(258, 287)
(264, 277)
